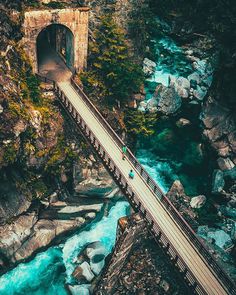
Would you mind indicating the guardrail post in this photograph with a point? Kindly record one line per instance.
(193, 286)
(159, 235)
(144, 213)
(175, 260)
(94, 141)
(119, 179)
(167, 247)
(139, 206)
(151, 224)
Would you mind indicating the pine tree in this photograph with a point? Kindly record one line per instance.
(112, 74)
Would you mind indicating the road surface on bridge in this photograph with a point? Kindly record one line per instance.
(186, 250)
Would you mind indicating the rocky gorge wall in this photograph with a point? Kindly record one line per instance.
(33, 140)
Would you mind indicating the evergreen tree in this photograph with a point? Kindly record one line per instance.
(112, 74)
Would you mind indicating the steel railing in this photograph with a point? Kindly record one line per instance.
(153, 186)
(160, 195)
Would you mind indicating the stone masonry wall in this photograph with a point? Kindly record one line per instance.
(75, 19)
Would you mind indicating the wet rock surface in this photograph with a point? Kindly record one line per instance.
(40, 227)
(146, 270)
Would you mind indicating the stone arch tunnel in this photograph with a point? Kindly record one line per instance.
(55, 49)
(60, 31)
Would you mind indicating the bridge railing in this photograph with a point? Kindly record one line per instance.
(134, 200)
(190, 234)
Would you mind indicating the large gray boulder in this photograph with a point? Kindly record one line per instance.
(181, 86)
(80, 289)
(168, 100)
(83, 272)
(198, 202)
(149, 67)
(225, 163)
(218, 182)
(219, 128)
(92, 179)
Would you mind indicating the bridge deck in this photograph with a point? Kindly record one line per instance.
(186, 250)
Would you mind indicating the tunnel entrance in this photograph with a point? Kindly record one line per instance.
(55, 51)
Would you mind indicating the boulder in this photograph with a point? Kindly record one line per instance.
(149, 67)
(19, 127)
(92, 180)
(232, 140)
(15, 234)
(220, 128)
(217, 236)
(183, 122)
(181, 86)
(96, 251)
(13, 201)
(1, 109)
(80, 289)
(200, 93)
(225, 163)
(83, 272)
(218, 182)
(221, 238)
(198, 201)
(90, 215)
(77, 209)
(168, 100)
(231, 174)
(195, 77)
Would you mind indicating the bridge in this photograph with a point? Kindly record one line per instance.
(180, 242)
(62, 35)
(170, 230)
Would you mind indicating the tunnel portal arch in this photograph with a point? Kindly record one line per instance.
(58, 39)
(75, 20)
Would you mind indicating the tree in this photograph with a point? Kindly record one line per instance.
(140, 123)
(112, 74)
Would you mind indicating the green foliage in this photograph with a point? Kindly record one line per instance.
(39, 188)
(10, 154)
(139, 123)
(112, 75)
(56, 4)
(17, 111)
(33, 86)
(29, 83)
(61, 153)
(33, 3)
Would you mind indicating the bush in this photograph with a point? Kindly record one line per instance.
(139, 123)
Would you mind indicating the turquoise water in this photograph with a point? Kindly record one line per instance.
(47, 273)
